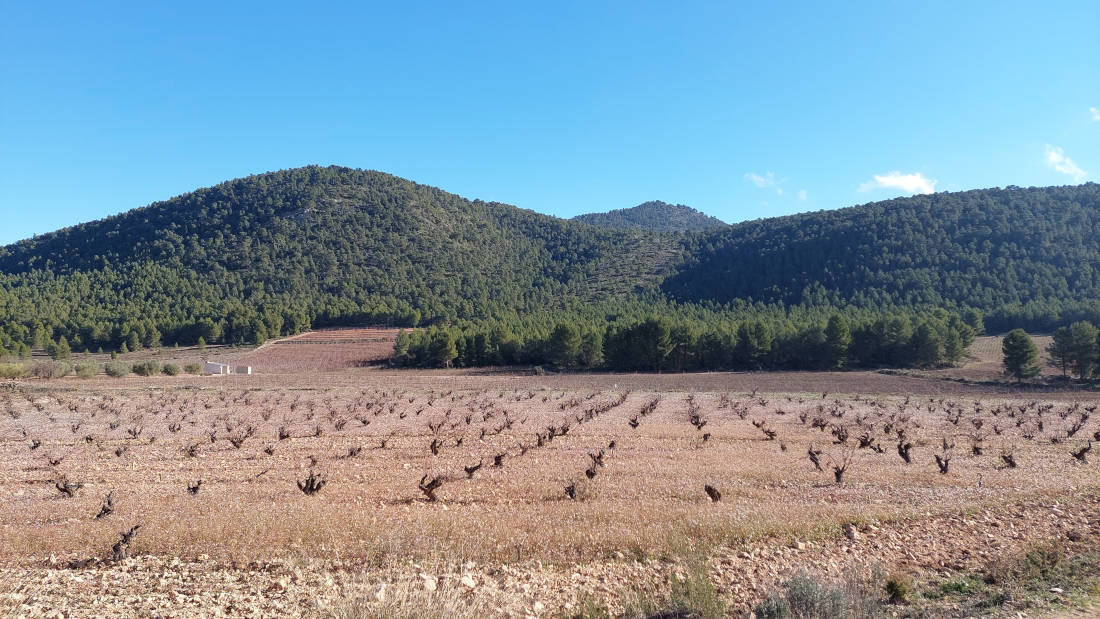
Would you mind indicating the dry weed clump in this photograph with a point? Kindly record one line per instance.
(425, 598)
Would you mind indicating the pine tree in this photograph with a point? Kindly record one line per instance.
(1097, 369)
(1082, 348)
(973, 319)
(401, 348)
(838, 337)
(1058, 351)
(61, 351)
(654, 337)
(927, 345)
(1020, 355)
(592, 348)
(565, 345)
(682, 340)
(441, 348)
(754, 342)
(152, 338)
(41, 337)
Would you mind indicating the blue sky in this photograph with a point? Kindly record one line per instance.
(742, 110)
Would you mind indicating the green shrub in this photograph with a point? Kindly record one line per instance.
(193, 368)
(171, 369)
(589, 607)
(805, 597)
(117, 369)
(146, 368)
(775, 607)
(959, 586)
(13, 370)
(691, 594)
(88, 369)
(898, 588)
(809, 598)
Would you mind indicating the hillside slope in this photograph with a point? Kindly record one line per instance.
(329, 243)
(656, 216)
(992, 249)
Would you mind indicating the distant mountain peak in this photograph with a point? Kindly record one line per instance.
(654, 215)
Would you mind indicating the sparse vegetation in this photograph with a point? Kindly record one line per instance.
(804, 597)
(117, 369)
(12, 370)
(690, 593)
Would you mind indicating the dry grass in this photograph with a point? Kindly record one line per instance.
(408, 599)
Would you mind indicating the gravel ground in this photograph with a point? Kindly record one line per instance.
(155, 586)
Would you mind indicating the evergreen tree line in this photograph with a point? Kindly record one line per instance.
(663, 343)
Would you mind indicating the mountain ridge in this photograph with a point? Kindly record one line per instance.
(654, 215)
(271, 253)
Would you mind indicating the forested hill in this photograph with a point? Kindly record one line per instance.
(1022, 255)
(656, 216)
(315, 244)
(274, 253)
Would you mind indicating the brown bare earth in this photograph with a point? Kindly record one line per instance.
(328, 349)
(635, 451)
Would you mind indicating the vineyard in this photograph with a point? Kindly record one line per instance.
(378, 476)
(323, 350)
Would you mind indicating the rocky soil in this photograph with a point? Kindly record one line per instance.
(156, 586)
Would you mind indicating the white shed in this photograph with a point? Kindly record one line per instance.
(242, 369)
(215, 368)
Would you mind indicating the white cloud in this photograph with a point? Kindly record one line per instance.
(768, 180)
(1059, 162)
(779, 191)
(802, 195)
(908, 183)
(1095, 112)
